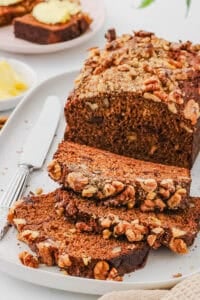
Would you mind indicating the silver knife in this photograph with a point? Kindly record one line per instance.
(33, 155)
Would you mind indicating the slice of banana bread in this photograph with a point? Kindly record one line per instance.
(57, 242)
(28, 28)
(176, 231)
(139, 97)
(8, 13)
(119, 180)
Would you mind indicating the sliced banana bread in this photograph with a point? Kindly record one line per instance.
(119, 180)
(56, 241)
(176, 231)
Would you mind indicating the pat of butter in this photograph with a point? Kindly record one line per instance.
(9, 2)
(55, 11)
(11, 83)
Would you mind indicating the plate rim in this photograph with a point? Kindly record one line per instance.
(107, 284)
(62, 46)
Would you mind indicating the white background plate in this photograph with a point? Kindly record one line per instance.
(8, 42)
(161, 265)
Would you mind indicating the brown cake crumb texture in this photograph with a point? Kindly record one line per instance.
(176, 231)
(56, 241)
(139, 97)
(119, 181)
(28, 28)
(8, 13)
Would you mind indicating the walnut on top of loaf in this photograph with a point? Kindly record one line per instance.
(146, 66)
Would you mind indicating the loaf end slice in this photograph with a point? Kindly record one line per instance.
(56, 241)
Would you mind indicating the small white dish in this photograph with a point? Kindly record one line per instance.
(29, 77)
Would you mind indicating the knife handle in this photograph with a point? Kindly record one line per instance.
(12, 193)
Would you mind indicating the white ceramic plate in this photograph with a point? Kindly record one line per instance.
(9, 43)
(27, 74)
(161, 265)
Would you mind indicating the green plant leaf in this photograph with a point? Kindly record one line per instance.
(188, 3)
(146, 3)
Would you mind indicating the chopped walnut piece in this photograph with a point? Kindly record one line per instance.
(176, 97)
(191, 111)
(120, 228)
(133, 235)
(101, 270)
(176, 232)
(89, 191)
(86, 260)
(143, 33)
(28, 259)
(113, 275)
(168, 184)
(178, 246)
(151, 239)
(157, 230)
(47, 252)
(172, 107)
(110, 35)
(109, 190)
(154, 222)
(28, 236)
(54, 170)
(178, 275)
(77, 181)
(160, 204)
(152, 97)
(176, 199)
(19, 223)
(151, 195)
(11, 213)
(59, 210)
(164, 193)
(105, 222)
(38, 191)
(118, 185)
(64, 261)
(116, 249)
(93, 106)
(106, 234)
(148, 185)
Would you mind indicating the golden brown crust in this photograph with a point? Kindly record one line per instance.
(144, 65)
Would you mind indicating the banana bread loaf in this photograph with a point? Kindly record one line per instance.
(119, 180)
(57, 242)
(176, 231)
(139, 97)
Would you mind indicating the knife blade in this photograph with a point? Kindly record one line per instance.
(40, 137)
(34, 153)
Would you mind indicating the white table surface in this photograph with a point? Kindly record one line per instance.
(167, 19)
